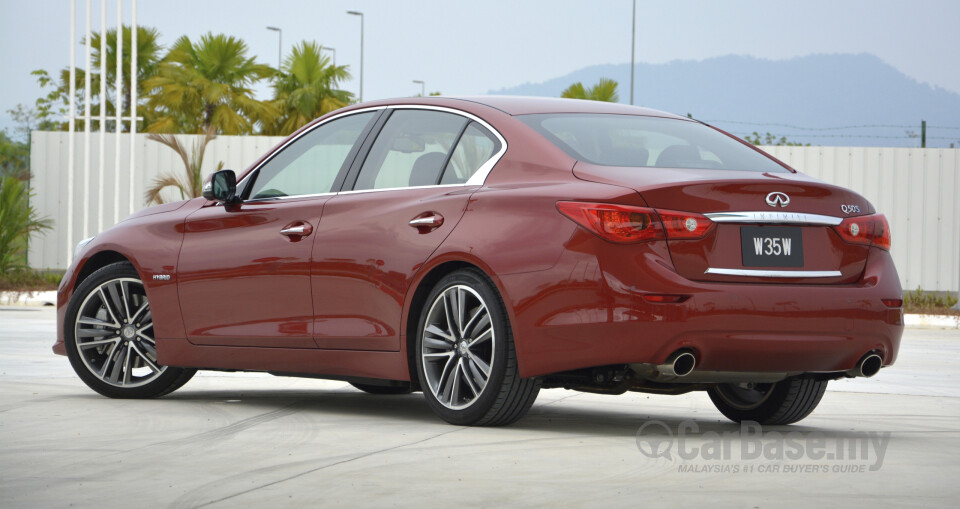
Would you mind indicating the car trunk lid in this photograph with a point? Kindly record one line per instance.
(768, 227)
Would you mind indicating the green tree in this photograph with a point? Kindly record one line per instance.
(14, 158)
(605, 90)
(17, 221)
(208, 83)
(51, 108)
(306, 88)
(771, 139)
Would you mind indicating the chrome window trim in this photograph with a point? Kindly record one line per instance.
(477, 179)
(402, 188)
(275, 198)
(774, 273)
(774, 217)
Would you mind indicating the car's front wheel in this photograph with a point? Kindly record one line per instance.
(465, 355)
(108, 334)
(783, 402)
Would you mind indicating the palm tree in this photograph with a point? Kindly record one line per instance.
(190, 182)
(306, 88)
(208, 84)
(17, 221)
(604, 90)
(148, 59)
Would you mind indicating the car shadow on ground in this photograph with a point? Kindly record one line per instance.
(545, 417)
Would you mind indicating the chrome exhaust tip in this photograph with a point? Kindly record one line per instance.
(869, 365)
(680, 363)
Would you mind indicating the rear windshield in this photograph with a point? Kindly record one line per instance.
(630, 140)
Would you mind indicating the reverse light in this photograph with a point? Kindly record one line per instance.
(627, 224)
(684, 225)
(870, 230)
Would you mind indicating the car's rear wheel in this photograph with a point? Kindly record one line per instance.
(783, 402)
(465, 355)
(384, 389)
(108, 334)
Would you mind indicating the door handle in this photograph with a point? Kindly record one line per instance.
(297, 229)
(427, 222)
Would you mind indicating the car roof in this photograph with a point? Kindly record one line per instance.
(520, 105)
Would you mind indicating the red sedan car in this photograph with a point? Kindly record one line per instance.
(480, 249)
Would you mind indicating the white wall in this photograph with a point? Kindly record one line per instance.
(48, 163)
(915, 188)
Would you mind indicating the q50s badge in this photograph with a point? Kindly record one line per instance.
(850, 209)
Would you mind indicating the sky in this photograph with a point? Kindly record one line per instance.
(471, 47)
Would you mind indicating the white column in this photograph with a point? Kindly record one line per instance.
(71, 124)
(133, 99)
(87, 94)
(103, 109)
(118, 104)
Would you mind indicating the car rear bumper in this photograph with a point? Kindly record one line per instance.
(589, 310)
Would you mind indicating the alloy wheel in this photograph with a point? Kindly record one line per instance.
(457, 347)
(114, 334)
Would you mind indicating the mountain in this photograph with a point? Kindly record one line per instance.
(818, 96)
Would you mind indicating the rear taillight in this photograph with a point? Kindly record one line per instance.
(628, 224)
(684, 225)
(616, 223)
(867, 230)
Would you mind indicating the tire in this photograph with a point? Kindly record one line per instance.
(468, 369)
(109, 338)
(384, 389)
(784, 402)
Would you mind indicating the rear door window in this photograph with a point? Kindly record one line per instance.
(411, 150)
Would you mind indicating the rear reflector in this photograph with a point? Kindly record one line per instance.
(867, 230)
(665, 299)
(892, 303)
(628, 224)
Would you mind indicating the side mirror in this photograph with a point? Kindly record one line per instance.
(222, 187)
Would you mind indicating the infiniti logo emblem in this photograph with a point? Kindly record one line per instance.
(777, 198)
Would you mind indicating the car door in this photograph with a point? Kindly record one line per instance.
(244, 269)
(378, 231)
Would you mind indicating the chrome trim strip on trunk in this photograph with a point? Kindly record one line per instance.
(774, 273)
(774, 217)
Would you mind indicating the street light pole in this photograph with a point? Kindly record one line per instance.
(331, 50)
(279, 45)
(71, 124)
(633, 48)
(423, 88)
(357, 13)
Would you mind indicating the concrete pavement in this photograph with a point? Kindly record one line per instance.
(227, 440)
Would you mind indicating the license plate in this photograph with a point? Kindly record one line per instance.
(771, 246)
